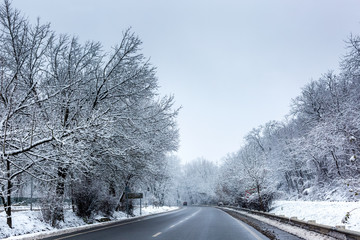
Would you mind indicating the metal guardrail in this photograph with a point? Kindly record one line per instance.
(335, 232)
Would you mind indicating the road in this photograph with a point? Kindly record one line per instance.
(189, 223)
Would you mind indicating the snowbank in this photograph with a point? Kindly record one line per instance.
(297, 231)
(153, 210)
(328, 213)
(25, 222)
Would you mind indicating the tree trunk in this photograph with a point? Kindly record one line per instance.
(336, 163)
(262, 207)
(8, 197)
(8, 211)
(60, 191)
(72, 198)
(289, 182)
(112, 190)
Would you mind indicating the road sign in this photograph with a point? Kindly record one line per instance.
(134, 195)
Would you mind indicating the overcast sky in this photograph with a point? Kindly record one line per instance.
(232, 65)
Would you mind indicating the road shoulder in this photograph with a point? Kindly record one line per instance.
(84, 228)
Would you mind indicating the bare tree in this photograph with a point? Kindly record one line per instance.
(23, 131)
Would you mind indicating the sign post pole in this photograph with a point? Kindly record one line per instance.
(127, 205)
(127, 190)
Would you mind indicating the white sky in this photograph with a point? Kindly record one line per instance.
(231, 64)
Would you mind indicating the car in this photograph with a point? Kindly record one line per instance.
(184, 203)
(220, 204)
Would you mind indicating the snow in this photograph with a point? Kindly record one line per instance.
(144, 211)
(302, 233)
(24, 222)
(31, 222)
(327, 213)
(352, 138)
(153, 210)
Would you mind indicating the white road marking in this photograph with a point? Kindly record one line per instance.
(103, 227)
(96, 230)
(185, 219)
(157, 234)
(246, 227)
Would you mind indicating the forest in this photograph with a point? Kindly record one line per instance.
(312, 155)
(78, 123)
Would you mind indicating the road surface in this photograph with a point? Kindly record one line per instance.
(189, 223)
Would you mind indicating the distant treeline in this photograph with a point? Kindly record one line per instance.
(312, 155)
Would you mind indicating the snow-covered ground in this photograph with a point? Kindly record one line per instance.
(25, 222)
(297, 231)
(328, 213)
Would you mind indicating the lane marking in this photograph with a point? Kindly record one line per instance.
(100, 228)
(245, 226)
(95, 230)
(174, 225)
(185, 219)
(157, 234)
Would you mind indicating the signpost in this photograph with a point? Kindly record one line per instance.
(135, 196)
(129, 195)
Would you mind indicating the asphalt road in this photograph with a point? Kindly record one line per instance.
(190, 223)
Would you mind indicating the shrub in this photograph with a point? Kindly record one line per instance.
(253, 201)
(89, 199)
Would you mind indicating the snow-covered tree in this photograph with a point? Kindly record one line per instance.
(314, 154)
(199, 182)
(70, 112)
(23, 129)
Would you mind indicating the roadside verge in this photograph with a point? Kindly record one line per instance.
(58, 232)
(299, 227)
